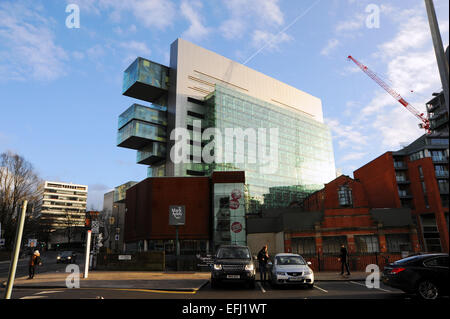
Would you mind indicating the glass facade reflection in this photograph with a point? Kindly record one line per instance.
(147, 72)
(229, 214)
(305, 153)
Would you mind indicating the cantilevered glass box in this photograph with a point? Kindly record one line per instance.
(145, 80)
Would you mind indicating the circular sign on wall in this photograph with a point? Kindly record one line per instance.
(234, 204)
(236, 227)
(236, 194)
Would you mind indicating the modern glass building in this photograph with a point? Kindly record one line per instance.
(304, 159)
(285, 150)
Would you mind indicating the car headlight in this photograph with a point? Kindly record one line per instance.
(249, 267)
(58, 257)
(217, 267)
(69, 257)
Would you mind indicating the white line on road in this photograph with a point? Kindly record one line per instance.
(260, 286)
(47, 292)
(358, 283)
(315, 286)
(33, 297)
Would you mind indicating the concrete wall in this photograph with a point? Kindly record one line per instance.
(274, 241)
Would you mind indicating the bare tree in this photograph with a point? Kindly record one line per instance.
(18, 182)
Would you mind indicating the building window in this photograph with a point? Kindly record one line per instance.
(367, 244)
(397, 243)
(332, 244)
(443, 185)
(345, 196)
(441, 171)
(438, 156)
(430, 233)
(304, 246)
(420, 172)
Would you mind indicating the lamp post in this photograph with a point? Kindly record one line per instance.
(438, 49)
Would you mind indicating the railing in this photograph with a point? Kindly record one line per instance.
(356, 261)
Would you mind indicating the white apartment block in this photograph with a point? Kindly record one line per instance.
(63, 205)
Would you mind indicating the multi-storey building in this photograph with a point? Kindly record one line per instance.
(202, 90)
(414, 177)
(62, 205)
(62, 213)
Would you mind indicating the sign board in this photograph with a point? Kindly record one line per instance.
(2, 241)
(95, 227)
(32, 242)
(236, 227)
(116, 237)
(177, 215)
(124, 257)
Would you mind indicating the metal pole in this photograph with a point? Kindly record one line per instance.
(177, 247)
(88, 249)
(15, 256)
(438, 49)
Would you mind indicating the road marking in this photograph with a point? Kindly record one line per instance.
(33, 297)
(262, 289)
(315, 286)
(155, 291)
(358, 283)
(47, 292)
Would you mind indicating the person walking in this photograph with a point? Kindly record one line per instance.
(344, 260)
(263, 258)
(35, 260)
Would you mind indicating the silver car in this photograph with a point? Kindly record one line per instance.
(291, 269)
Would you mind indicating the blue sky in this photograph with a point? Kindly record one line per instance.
(60, 88)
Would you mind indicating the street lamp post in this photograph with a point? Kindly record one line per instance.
(438, 49)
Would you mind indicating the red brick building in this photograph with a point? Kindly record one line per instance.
(416, 178)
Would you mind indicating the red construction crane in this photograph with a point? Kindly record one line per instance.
(425, 122)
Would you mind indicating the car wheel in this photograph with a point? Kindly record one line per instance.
(427, 290)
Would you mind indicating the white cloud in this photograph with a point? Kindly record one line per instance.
(332, 44)
(250, 14)
(354, 23)
(261, 38)
(31, 50)
(152, 14)
(134, 49)
(190, 10)
(348, 136)
(353, 156)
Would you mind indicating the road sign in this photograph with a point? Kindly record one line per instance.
(2, 241)
(95, 227)
(177, 215)
(32, 242)
(116, 237)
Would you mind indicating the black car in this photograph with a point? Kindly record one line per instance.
(68, 257)
(425, 275)
(233, 263)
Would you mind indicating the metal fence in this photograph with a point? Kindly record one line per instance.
(356, 262)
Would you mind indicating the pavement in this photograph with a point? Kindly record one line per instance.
(160, 281)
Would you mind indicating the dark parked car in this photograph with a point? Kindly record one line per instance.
(68, 257)
(425, 275)
(233, 264)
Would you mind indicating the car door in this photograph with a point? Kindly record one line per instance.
(438, 268)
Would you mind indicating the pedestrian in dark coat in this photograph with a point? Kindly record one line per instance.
(35, 260)
(263, 258)
(344, 260)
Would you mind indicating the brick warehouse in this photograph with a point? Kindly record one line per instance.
(338, 214)
(209, 220)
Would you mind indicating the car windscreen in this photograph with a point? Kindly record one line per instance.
(66, 253)
(407, 260)
(233, 253)
(290, 260)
